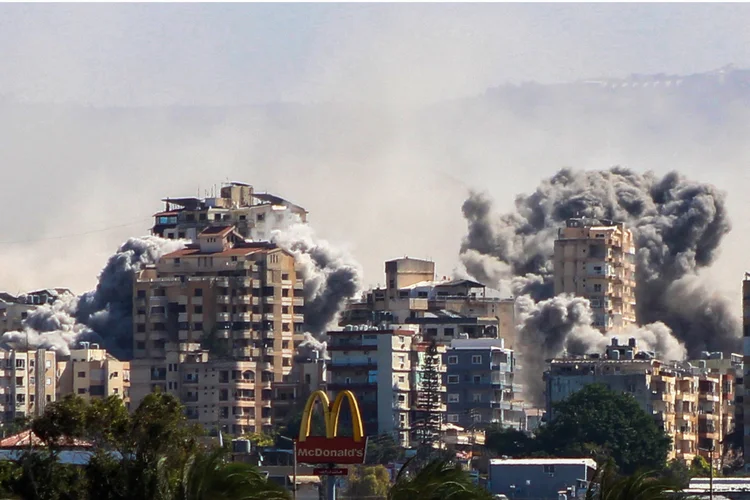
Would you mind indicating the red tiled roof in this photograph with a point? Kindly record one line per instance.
(27, 438)
(232, 252)
(216, 230)
(167, 212)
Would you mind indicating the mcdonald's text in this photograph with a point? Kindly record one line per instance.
(336, 450)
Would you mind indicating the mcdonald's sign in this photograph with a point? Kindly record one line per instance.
(331, 448)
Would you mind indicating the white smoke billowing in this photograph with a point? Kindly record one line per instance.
(102, 315)
(331, 276)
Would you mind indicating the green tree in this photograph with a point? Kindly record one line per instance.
(382, 449)
(369, 481)
(206, 476)
(610, 421)
(638, 486)
(700, 467)
(429, 427)
(437, 480)
(507, 441)
(677, 472)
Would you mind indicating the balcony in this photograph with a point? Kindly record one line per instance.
(265, 366)
(222, 334)
(334, 365)
(257, 283)
(298, 285)
(243, 281)
(243, 299)
(197, 301)
(158, 317)
(223, 299)
(183, 335)
(242, 334)
(256, 301)
(269, 299)
(140, 318)
(182, 317)
(269, 317)
(243, 352)
(158, 300)
(223, 317)
(243, 317)
(298, 318)
(298, 301)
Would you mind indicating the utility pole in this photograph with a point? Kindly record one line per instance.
(294, 462)
(711, 475)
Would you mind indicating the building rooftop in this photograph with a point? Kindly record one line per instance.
(589, 462)
(216, 230)
(241, 250)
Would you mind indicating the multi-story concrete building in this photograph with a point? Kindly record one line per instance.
(480, 386)
(252, 214)
(596, 259)
(216, 324)
(376, 364)
(14, 310)
(28, 381)
(443, 309)
(90, 372)
(687, 401)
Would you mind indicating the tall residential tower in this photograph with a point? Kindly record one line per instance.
(595, 259)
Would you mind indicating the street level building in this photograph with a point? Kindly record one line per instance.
(92, 373)
(28, 381)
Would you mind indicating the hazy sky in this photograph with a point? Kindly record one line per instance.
(362, 167)
(120, 54)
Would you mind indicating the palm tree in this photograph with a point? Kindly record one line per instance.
(607, 485)
(438, 480)
(206, 476)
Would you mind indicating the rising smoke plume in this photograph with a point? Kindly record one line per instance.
(678, 225)
(331, 276)
(102, 315)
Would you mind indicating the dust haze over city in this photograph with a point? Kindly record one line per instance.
(378, 119)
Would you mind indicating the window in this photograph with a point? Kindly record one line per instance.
(452, 360)
(476, 359)
(477, 379)
(198, 292)
(549, 469)
(198, 309)
(177, 262)
(284, 277)
(452, 379)
(198, 327)
(140, 345)
(401, 398)
(49, 381)
(452, 417)
(448, 332)
(597, 288)
(140, 328)
(48, 364)
(81, 374)
(401, 379)
(477, 397)
(454, 398)
(82, 390)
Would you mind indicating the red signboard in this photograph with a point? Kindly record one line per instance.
(335, 450)
(339, 471)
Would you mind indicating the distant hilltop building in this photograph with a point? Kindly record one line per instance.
(595, 259)
(252, 214)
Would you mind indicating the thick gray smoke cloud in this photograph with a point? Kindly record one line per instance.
(563, 324)
(678, 225)
(102, 315)
(331, 277)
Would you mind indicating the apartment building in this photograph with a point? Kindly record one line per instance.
(443, 309)
(480, 385)
(596, 259)
(252, 214)
(90, 372)
(216, 324)
(687, 401)
(15, 309)
(376, 364)
(28, 381)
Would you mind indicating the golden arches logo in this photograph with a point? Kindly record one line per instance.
(331, 413)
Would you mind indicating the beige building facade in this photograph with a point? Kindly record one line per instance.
(253, 215)
(90, 372)
(595, 259)
(217, 324)
(28, 382)
(690, 403)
